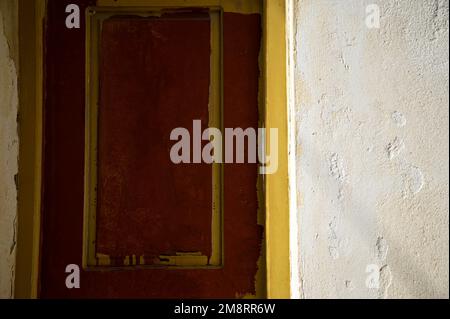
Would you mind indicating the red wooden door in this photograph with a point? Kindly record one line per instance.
(154, 74)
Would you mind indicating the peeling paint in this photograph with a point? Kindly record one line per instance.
(8, 145)
(395, 147)
(333, 240)
(336, 169)
(413, 181)
(398, 118)
(381, 248)
(385, 281)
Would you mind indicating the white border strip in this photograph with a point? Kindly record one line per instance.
(293, 217)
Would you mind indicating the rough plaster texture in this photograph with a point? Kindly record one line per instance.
(8, 144)
(372, 114)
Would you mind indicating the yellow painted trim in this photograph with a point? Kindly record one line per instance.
(90, 257)
(239, 6)
(215, 120)
(276, 185)
(31, 19)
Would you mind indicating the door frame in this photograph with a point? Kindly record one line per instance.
(274, 106)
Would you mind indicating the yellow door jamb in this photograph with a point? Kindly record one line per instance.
(31, 23)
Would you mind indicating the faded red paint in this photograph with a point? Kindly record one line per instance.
(154, 77)
(62, 212)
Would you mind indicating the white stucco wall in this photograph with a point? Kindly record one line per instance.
(8, 144)
(372, 120)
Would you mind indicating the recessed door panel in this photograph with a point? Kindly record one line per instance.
(154, 76)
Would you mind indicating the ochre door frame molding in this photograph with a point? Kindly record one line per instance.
(31, 24)
(276, 116)
(31, 16)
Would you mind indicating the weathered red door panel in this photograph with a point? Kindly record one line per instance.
(154, 76)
